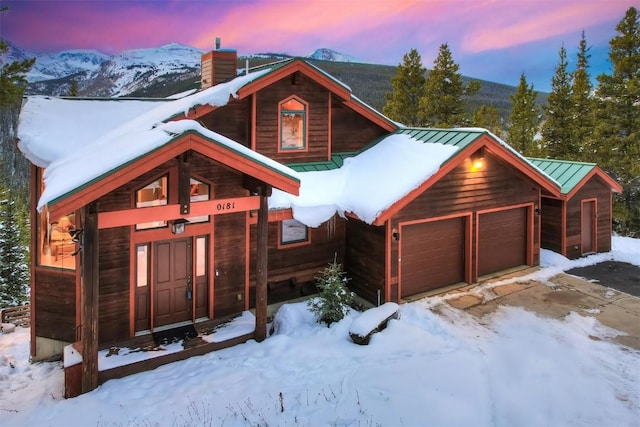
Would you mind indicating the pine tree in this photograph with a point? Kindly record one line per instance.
(487, 117)
(583, 104)
(618, 121)
(14, 267)
(13, 167)
(442, 104)
(524, 120)
(12, 79)
(332, 304)
(73, 88)
(557, 128)
(407, 87)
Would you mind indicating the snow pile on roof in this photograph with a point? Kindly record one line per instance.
(51, 128)
(367, 184)
(115, 135)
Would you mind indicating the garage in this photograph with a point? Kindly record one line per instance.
(502, 240)
(432, 255)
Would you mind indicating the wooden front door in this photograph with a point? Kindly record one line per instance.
(172, 282)
(587, 228)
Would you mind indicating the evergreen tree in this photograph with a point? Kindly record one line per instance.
(73, 88)
(442, 104)
(333, 302)
(618, 121)
(12, 79)
(407, 87)
(13, 167)
(487, 117)
(583, 104)
(557, 128)
(524, 120)
(14, 267)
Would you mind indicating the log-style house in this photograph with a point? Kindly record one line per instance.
(155, 214)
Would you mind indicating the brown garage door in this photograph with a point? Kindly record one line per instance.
(502, 240)
(432, 255)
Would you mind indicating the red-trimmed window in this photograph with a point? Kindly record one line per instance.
(292, 233)
(152, 194)
(293, 124)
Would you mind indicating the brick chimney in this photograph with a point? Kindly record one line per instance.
(218, 65)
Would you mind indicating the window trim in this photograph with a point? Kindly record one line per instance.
(305, 124)
(158, 177)
(293, 243)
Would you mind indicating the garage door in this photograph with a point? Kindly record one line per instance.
(502, 240)
(432, 255)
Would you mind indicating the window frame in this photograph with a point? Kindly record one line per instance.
(292, 243)
(137, 227)
(305, 131)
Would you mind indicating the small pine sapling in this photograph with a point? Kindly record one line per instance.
(334, 299)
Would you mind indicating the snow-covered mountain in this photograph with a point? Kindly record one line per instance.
(134, 69)
(325, 54)
(56, 65)
(128, 72)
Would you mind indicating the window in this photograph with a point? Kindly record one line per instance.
(292, 232)
(154, 194)
(142, 265)
(56, 246)
(293, 125)
(199, 192)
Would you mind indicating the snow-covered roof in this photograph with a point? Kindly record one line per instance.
(366, 184)
(78, 141)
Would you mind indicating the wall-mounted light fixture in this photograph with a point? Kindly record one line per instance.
(178, 225)
(477, 160)
(395, 234)
(75, 235)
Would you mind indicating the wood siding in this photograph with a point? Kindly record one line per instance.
(551, 228)
(55, 300)
(267, 120)
(349, 130)
(300, 261)
(595, 188)
(232, 121)
(365, 259)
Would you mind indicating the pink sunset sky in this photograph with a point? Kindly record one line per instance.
(494, 40)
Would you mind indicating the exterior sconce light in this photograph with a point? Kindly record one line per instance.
(395, 234)
(75, 235)
(177, 226)
(477, 161)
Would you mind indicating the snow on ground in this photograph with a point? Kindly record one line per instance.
(511, 368)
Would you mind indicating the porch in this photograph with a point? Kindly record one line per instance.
(145, 353)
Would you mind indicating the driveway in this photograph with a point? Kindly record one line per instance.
(562, 295)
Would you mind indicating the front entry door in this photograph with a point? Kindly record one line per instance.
(172, 287)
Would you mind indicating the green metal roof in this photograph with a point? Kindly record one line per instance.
(337, 160)
(566, 173)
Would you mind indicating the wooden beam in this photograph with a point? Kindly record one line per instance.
(184, 182)
(169, 212)
(261, 265)
(89, 297)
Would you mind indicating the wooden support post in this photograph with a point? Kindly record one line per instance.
(89, 297)
(184, 183)
(261, 264)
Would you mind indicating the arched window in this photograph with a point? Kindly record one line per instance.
(293, 124)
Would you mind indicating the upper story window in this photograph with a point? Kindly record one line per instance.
(293, 124)
(153, 194)
(199, 192)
